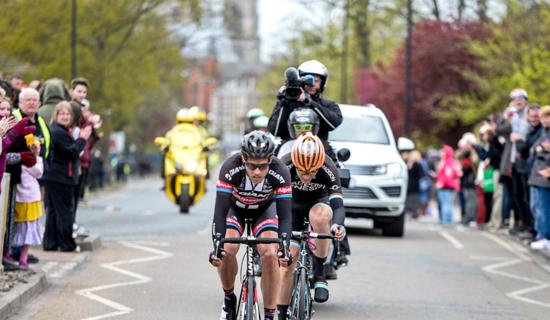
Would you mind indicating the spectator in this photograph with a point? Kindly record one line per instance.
(16, 82)
(503, 131)
(52, 92)
(447, 184)
(79, 91)
(490, 150)
(467, 180)
(61, 179)
(28, 206)
(97, 171)
(416, 173)
(520, 127)
(540, 180)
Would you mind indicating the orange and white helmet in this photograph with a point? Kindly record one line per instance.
(308, 153)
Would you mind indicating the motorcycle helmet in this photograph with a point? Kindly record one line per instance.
(254, 113)
(308, 153)
(258, 145)
(261, 122)
(197, 113)
(315, 68)
(184, 116)
(304, 119)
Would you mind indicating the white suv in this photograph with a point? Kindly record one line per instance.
(379, 177)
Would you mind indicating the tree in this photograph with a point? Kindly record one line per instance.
(514, 55)
(125, 49)
(440, 56)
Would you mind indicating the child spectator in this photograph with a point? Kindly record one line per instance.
(28, 207)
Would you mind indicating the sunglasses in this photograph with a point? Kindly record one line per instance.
(307, 173)
(254, 166)
(305, 127)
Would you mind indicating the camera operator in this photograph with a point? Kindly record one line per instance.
(309, 96)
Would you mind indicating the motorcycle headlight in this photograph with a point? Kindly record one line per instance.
(191, 166)
(394, 169)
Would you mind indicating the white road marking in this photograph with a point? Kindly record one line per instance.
(451, 239)
(65, 267)
(149, 212)
(48, 266)
(506, 246)
(518, 294)
(113, 266)
(487, 258)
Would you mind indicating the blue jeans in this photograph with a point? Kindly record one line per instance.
(538, 217)
(544, 209)
(506, 198)
(446, 199)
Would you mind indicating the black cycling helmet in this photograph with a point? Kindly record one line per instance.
(305, 117)
(257, 144)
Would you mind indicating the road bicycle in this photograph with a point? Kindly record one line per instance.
(248, 307)
(301, 302)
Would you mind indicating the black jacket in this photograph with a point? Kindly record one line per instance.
(64, 157)
(328, 112)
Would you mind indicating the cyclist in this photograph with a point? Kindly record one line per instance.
(250, 117)
(254, 184)
(317, 197)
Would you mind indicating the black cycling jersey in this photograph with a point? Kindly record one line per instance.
(325, 184)
(235, 191)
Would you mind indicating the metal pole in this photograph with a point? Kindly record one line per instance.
(344, 66)
(408, 70)
(73, 40)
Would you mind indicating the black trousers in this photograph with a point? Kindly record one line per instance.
(59, 218)
(80, 188)
(520, 198)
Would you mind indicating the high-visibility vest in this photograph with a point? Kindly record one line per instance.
(43, 127)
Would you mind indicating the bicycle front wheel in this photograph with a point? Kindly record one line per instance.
(251, 300)
(301, 299)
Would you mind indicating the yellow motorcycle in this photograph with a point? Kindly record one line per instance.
(185, 164)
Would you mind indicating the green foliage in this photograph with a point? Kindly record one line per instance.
(515, 55)
(323, 42)
(124, 49)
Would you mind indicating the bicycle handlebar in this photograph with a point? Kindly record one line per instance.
(251, 240)
(299, 235)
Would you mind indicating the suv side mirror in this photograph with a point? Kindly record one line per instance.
(343, 154)
(404, 144)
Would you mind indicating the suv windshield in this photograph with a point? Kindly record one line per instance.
(361, 128)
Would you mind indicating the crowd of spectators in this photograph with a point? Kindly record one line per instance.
(499, 179)
(48, 132)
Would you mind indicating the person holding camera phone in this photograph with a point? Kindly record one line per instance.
(311, 89)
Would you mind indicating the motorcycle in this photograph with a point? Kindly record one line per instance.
(185, 166)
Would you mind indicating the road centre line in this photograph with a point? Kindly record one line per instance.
(452, 240)
(113, 266)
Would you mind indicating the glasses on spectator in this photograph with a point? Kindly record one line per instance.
(254, 166)
(303, 127)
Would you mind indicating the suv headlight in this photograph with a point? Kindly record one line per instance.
(394, 169)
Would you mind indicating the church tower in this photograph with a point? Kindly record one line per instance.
(240, 19)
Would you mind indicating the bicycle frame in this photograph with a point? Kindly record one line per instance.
(248, 307)
(300, 307)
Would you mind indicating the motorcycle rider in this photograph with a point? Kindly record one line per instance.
(250, 117)
(317, 198)
(328, 111)
(184, 118)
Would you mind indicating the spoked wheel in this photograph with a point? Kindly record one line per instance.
(301, 299)
(248, 305)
